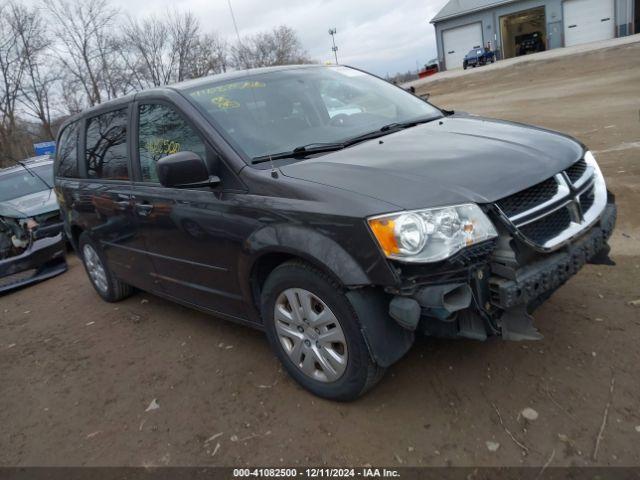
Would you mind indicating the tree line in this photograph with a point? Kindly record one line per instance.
(62, 56)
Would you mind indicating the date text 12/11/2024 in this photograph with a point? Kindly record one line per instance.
(366, 472)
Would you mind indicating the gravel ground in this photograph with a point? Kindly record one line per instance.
(77, 375)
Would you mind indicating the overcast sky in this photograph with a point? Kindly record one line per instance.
(382, 36)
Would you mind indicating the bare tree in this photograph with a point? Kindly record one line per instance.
(12, 67)
(281, 46)
(209, 56)
(185, 31)
(38, 77)
(146, 50)
(160, 51)
(86, 47)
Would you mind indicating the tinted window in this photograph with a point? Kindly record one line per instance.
(163, 132)
(68, 152)
(107, 146)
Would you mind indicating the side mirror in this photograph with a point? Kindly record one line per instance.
(184, 170)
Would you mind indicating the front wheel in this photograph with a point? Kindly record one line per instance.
(315, 332)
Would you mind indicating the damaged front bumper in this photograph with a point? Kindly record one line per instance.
(484, 299)
(42, 259)
(540, 278)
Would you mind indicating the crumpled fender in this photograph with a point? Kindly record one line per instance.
(307, 244)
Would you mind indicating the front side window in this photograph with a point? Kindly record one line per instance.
(68, 152)
(162, 132)
(106, 148)
(279, 111)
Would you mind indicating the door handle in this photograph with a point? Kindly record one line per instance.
(144, 209)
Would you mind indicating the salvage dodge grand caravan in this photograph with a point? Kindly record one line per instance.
(335, 211)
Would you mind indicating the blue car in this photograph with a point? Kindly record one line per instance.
(477, 57)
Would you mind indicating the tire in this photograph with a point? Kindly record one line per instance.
(105, 283)
(465, 65)
(321, 372)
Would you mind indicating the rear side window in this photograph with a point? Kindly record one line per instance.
(163, 132)
(68, 152)
(106, 147)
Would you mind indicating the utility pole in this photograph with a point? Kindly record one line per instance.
(332, 32)
(233, 18)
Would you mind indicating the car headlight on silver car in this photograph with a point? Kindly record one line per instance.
(431, 235)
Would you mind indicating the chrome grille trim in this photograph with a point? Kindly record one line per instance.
(569, 197)
(586, 176)
(563, 191)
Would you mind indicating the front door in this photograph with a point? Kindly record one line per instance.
(187, 232)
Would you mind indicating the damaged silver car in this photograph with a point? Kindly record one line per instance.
(32, 244)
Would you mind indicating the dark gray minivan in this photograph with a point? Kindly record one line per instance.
(335, 211)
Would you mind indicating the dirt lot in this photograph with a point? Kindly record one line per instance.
(77, 374)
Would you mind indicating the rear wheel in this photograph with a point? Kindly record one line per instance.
(314, 331)
(108, 287)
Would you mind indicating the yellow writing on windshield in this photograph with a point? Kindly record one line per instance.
(224, 103)
(229, 87)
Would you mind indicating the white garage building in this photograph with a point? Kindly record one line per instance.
(520, 27)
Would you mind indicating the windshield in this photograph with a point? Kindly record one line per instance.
(20, 183)
(279, 111)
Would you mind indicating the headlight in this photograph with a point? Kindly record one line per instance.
(431, 235)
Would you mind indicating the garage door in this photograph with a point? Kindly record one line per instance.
(588, 21)
(458, 41)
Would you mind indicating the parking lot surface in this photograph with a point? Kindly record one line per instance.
(147, 382)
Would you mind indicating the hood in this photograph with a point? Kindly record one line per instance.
(29, 205)
(458, 159)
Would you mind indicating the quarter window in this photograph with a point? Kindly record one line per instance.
(162, 132)
(68, 152)
(106, 150)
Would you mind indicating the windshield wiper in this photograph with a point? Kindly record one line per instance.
(301, 151)
(331, 147)
(387, 129)
(34, 174)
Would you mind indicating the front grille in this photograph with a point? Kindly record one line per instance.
(560, 206)
(547, 227)
(576, 171)
(529, 198)
(587, 199)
